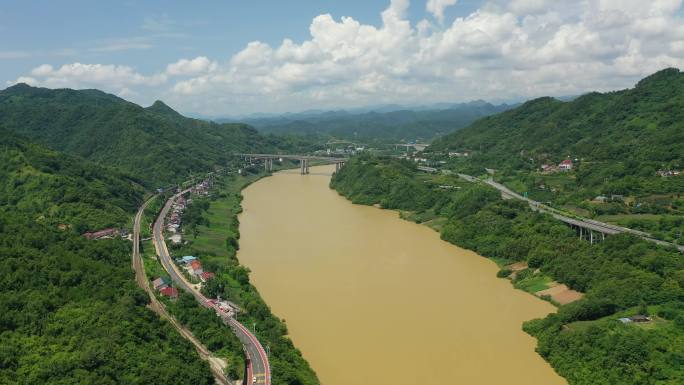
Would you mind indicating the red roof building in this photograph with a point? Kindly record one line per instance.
(170, 292)
(207, 275)
(100, 234)
(565, 165)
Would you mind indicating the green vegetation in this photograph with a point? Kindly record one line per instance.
(619, 141)
(213, 229)
(70, 312)
(617, 276)
(56, 189)
(156, 145)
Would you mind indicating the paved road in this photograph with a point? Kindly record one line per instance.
(586, 223)
(215, 364)
(296, 157)
(255, 352)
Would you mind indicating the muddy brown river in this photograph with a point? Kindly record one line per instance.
(373, 299)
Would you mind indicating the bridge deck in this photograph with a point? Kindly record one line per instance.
(296, 157)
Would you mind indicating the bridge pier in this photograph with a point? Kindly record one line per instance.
(304, 166)
(268, 164)
(338, 166)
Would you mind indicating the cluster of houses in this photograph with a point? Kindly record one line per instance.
(174, 222)
(668, 173)
(612, 198)
(163, 286)
(203, 187)
(565, 165)
(194, 267)
(106, 233)
(458, 154)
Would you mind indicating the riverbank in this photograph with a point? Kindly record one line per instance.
(362, 289)
(212, 234)
(585, 341)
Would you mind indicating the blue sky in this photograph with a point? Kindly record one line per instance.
(228, 57)
(150, 34)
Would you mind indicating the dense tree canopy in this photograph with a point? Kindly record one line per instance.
(70, 312)
(156, 144)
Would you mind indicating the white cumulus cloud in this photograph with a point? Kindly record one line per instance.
(437, 7)
(502, 51)
(196, 66)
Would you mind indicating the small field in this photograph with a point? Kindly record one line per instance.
(212, 239)
(560, 293)
(153, 268)
(534, 283)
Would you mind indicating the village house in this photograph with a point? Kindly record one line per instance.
(548, 167)
(176, 239)
(106, 233)
(170, 292)
(160, 283)
(565, 165)
(457, 154)
(667, 173)
(636, 318)
(207, 275)
(186, 259)
(196, 268)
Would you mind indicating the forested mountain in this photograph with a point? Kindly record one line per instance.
(644, 124)
(385, 126)
(54, 188)
(156, 144)
(70, 312)
(626, 149)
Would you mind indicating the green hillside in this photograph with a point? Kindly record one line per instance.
(643, 125)
(70, 312)
(53, 188)
(626, 148)
(155, 144)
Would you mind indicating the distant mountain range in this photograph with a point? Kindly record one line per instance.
(387, 123)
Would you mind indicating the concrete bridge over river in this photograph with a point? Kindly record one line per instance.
(303, 160)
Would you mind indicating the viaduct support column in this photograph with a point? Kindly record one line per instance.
(591, 237)
(301, 166)
(306, 166)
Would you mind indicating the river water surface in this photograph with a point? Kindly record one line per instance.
(373, 299)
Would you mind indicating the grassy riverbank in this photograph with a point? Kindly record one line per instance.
(212, 231)
(622, 276)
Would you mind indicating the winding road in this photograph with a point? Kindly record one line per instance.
(258, 365)
(216, 365)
